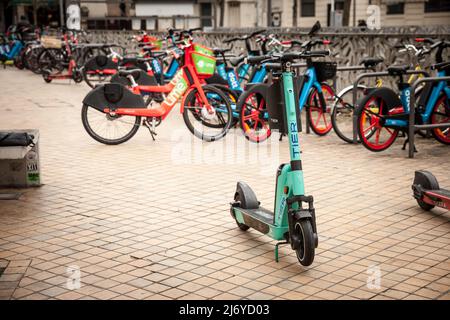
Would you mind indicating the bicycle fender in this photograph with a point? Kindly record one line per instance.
(113, 96)
(387, 94)
(258, 88)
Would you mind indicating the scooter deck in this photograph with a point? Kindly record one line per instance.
(261, 214)
(440, 193)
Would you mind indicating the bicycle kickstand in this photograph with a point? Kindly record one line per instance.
(406, 142)
(152, 131)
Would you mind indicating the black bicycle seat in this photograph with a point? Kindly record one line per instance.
(370, 62)
(135, 60)
(158, 53)
(257, 59)
(440, 66)
(218, 51)
(135, 73)
(235, 61)
(149, 48)
(398, 70)
(273, 66)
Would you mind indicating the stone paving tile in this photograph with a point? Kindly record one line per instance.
(141, 224)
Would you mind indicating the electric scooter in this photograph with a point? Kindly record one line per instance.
(427, 192)
(294, 218)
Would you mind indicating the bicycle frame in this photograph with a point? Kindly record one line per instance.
(182, 83)
(440, 87)
(311, 82)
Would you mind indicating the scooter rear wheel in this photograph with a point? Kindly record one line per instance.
(306, 247)
(241, 226)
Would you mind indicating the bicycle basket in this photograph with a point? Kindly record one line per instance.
(203, 50)
(51, 42)
(325, 70)
(205, 65)
(275, 104)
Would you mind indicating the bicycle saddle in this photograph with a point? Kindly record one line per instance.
(398, 70)
(256, 59)
(135, 60)
(440, 66)
(235, 61)
(135, 73)
(218, 51)
(148, 48)
(158, 53)
(370, 62)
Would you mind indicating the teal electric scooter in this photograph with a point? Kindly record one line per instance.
(293, 219)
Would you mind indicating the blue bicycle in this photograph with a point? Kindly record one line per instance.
(10, 50)
(317, 97)
(382, 114)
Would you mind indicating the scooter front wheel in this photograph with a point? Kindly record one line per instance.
(305, 248)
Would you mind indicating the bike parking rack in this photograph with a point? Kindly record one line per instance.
(373, 75)
(412, 126)
(341, 69)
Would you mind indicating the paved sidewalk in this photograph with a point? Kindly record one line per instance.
(150, 220)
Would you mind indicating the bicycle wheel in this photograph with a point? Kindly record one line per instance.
(233, 96)
(372, 133)
(19, 60)
(342, 114)
(254, 117)
(51, 60)
(109, 129)
(32, 59)
(319, 116)
(208, 125)
(441, 114)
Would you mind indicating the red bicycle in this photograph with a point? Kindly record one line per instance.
(58, 60)
(112, 114)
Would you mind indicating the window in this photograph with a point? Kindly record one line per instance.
(308, 8)
(437, 5)
(397, 8)
(339, 5)
(206, 14)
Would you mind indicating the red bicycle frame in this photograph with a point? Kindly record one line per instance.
(186, 80)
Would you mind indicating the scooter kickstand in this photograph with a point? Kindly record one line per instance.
(276, 249)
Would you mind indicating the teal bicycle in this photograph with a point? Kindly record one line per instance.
(293, 219)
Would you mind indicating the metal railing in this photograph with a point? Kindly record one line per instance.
(412, 126)
(298, 66)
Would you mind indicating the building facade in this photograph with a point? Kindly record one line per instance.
(161, 14)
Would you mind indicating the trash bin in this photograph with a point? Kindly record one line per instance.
(19, 165)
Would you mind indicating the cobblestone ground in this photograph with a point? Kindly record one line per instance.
(150, 219)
